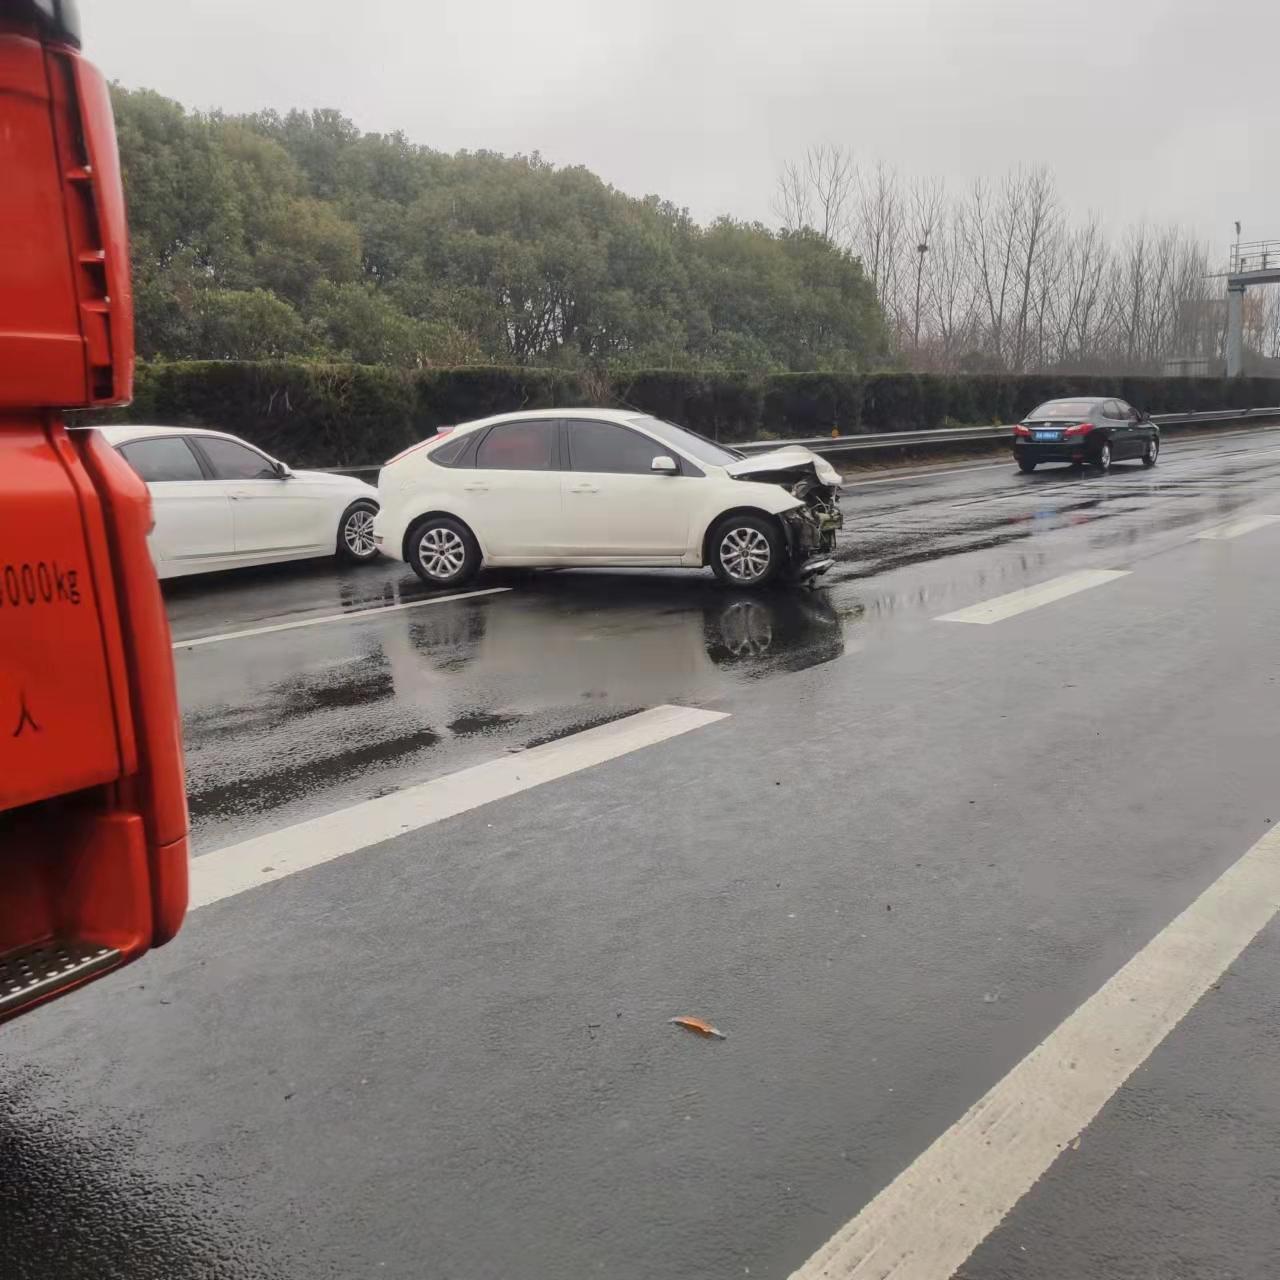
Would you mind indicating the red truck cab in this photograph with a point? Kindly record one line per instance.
(93, 819)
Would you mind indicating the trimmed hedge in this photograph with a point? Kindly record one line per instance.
(719, 405)
(349, 415)
(445, 397)
(314, 415)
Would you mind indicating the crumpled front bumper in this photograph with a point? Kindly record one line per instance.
(811, 535)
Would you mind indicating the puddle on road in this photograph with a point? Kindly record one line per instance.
(348, 714)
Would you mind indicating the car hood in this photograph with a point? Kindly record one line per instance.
(792, 457)
(349, 484)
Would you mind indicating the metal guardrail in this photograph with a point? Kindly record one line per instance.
(887, 441)
(984, 435)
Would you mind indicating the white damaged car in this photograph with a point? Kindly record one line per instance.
(604, 487)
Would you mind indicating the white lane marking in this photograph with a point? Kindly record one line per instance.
(236, 868)
(926, 1222)
(1008, 606)
(356, 615)
(1234, 529)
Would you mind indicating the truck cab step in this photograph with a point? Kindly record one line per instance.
(31, 973)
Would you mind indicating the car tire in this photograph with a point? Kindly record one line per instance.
(1151, 452)
(1026, 467)
(747, 551)
(442, 551)
(355, 532)
(1103, 460)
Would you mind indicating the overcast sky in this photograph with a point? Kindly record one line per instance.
(1162, 108)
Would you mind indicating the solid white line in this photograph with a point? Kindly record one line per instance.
(1008, 606)
(933, 1215)
(1224, 532)
(236, 868)
(357, 615)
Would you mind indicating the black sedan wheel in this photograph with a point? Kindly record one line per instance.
(1151, 452)
(1103, 460)
(1025, 466)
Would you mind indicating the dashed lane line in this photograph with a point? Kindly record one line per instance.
(356, 615)
(262, 859)
(1016, 602)
(926, 1223)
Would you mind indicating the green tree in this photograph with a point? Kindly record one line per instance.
(323, 240)
(246, 324)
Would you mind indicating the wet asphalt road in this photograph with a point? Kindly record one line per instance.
(911, 850)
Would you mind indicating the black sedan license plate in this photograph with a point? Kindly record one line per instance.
(1047, 435)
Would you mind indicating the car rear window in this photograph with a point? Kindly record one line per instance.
(1064, 409)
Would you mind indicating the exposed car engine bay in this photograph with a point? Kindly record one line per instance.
(811, 528)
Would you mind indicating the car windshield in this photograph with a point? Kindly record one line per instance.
(690, 442)
(1064, 409)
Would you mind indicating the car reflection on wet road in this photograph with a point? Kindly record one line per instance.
(352, 711)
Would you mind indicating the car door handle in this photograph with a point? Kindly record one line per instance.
(584, 486)
(476, 486)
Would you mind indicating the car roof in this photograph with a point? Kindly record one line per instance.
(623, 416)
(1080, 399)
(123, 434)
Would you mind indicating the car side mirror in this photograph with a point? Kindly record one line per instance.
(664, 465)
(283, 470)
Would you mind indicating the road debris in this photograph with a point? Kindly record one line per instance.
(700, 1025)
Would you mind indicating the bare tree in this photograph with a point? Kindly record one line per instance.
(989, 223)
(1000, 272)
(1081, 292)
(878, 232)
(792, 199)
(926, 201)
(1033, 213)
(818, 192)
(953, 307)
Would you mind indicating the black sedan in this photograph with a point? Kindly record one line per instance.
(1085, 429)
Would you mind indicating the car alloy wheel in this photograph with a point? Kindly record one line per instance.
(357, 534)
(441, 553)
(1104, 457)
(745, 553)
(1151, 453)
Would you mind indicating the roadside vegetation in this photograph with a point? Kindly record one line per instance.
(300, 237)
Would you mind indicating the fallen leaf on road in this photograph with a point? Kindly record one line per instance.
(700, 1025)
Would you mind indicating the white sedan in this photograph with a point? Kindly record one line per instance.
(564, 487)
(220, 503)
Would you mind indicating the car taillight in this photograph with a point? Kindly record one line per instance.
(1080, 429)
(1020, 430)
